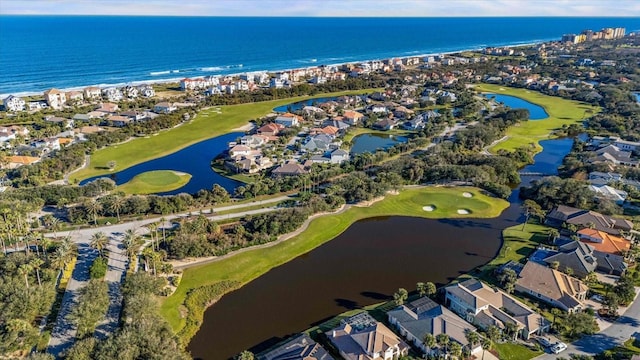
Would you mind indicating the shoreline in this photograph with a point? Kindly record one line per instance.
(203, 69)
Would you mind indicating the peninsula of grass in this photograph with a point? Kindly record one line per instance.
(152, 182)
(561, 112)
(246, 266)
(207, 124)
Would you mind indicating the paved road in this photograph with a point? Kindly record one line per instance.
(63, 334)
(628, 325)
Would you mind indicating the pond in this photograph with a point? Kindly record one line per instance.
(536, 112)
(300, 104)
(548, 161)
(372, 142)
(194, 159)
(637, 95)
(364, 265)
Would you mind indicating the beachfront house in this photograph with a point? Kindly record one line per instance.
(55, 98)
(13, 103)
(112, 94)
(361, 337)
(486, 306)
(424, 316)
(164, 108)
(92, 93)
(146, 91)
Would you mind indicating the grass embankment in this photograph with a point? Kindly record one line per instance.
(246, 266)
(561, 112)
(152, 182)
(517, 245)
(209, 123)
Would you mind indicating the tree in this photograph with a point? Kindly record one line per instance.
(472, 337)
(443, 341)
(24, 270)
(493, 333)
(579, 323)
(429, 340)
(508, 279)
(553, 235)
(93, 207)
(400, 296)
(568, 270)
(116, 205)
(530, 208)
(245, 355)
(555, 312)
(427, 288)
(455, 349)
(625, 289)
(36, 264)
(91, 308)
(611, 303)
(99, 242)
(555, 265)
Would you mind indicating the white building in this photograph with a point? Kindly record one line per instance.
(112, 94)
(55, 98)
(92, 93)
(13, 103)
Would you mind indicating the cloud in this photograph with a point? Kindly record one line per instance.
(416, 8)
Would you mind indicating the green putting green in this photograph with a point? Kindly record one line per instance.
(155, 181)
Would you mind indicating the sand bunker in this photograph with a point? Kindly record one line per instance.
(463, 212)
(428, 208)
(467, 194)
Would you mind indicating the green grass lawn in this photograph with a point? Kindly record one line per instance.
(151, 182)
(517, 245)
(510, 351)
(561, 112)
(207, 124)
(246, 266)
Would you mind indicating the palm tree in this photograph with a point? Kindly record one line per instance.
(24, 270)
(443, 341)
(64, 253)
(45, 243)
(99, 242)
(553, 235)
(164, 235)
(35, 264)
(422, 288)
(555, 312)
(429, 341)
(472, 337)
(455, 349)
(93, 207)
(153, 228)
(400, 296)
(131, 242)
(116, 205)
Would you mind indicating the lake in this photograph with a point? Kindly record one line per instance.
(194, 159)
(637, 95)
(364, 265)
(300, 104)
(536, 112)
(372, 142)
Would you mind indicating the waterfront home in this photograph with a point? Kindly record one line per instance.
(239, 150)
(254, 141)
(106, 108)
(55, 98)
(616, 141)
(352, 117)
(146, 91)
(92, 93)
(288, 120)
(112, 94)
(485, 306)
(118, 120)
(417, 123)
(552, 286)
(37, 105)
(13, 103)
(609, 193)
(583, 259)
(360, 337)
(75, 97)
(300, 347)
(385, 124)
(601, 241)
(270, 129)
(131, 92)
(612, 154)
(605, 178)
(587, 218)
(337, 123)
(424, 316)
(316, 144)
(164, 108)
(289, 169)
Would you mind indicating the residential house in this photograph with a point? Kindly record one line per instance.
(112, 94)
(288, 120)
(417, 123)
(339, 156)
(65, 123)
(574, 255)
(48, 144)
(134, 115)
(385, 124)
(360, 337)
(37, 105)
(164, 108)
(6, 135)
(131, 92)
(552, 286)
(352, 117)
(289, 169)
(146, 91)
(317, 143)
(587, 218)
(624, 145)
(75, 97)
(253, 141)
(606, 178)
(609, 193)
(612, 154)
(13, 103)
(55, 98)
(485, 306)
(300, 347)
(338, 124)
(92, 93)
(601, 241)
(270, 129)
(239, 150)
(402, 112)
(118, 120)
(106, 108)
(424, 316)
(17, 161)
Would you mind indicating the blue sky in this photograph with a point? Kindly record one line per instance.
(326, 7)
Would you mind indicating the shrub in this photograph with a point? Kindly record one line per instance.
(99, 268)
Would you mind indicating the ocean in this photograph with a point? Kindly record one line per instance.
(41, 52)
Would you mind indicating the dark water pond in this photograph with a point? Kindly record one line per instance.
(194, 159)
(536, 112)
(300, 104)
(364, 265)
(372, 142)
(637, 95)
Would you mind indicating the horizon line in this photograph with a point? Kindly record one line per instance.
(332, 16)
